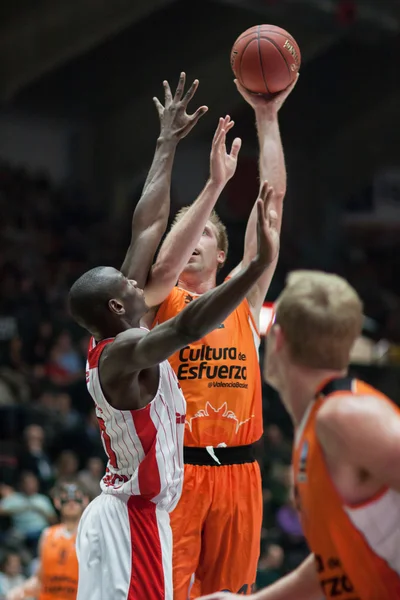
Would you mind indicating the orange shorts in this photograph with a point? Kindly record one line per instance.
(216, 530)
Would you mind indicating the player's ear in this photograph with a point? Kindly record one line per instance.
(57, 503)
(116, 307)
(221, 258)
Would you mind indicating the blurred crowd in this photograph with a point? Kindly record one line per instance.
(48, 427)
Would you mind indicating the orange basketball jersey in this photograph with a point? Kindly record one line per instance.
(356, 546)
(220, 377)
(59, 565)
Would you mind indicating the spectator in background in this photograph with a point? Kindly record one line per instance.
(270, 566)
(34, 458)
(65, 364)
(277, 447)
(11, 573)
(67, 467)
(42, 343)
(30, 512)
(288, 520)
(68, 416)
(90, 476)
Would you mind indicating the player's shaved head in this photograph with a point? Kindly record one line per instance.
(90, 295)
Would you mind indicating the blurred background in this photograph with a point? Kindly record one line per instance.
(77, 134)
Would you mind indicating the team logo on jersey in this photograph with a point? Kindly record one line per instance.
(217, 422)
(302, 472)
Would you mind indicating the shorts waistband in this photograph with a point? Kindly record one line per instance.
(216, 457)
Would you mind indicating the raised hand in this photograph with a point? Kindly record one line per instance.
(174, 120)
(267, 227)
(271, 102)
(222, 164)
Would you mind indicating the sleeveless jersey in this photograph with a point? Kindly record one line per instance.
(220, 377)
(59, 565)
(145, 446)
(356, 546)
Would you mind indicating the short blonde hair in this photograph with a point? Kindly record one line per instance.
(222, 236)
(321, 316)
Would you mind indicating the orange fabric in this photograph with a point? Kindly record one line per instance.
(347, 566)
(216, 530)
(220, 378)
(59, 565)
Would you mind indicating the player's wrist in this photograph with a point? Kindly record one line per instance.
(266, 114)
(215, 183)
(167, 140)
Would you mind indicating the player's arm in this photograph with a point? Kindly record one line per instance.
(150, 217)
(301, 584)
(363, 431)
(134, 351)
(272, 169)
(180, 241)
(31, 587)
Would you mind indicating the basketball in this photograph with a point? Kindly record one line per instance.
(265, 59)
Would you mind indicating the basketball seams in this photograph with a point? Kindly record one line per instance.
(260, 57)
(241, 58)
(281, 53)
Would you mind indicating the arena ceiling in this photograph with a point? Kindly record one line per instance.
(71, 59)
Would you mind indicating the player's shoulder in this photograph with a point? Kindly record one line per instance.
(114, 356)
(342, 413)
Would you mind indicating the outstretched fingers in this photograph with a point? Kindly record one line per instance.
(190, 93)
(167, 93)
(236, 145)
(159, 106)
(198, 114)
(180, 87)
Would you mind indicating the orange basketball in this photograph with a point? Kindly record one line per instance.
(265, 59)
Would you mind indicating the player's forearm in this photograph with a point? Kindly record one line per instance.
(212, 308)
(272, 169)
(152, 211)
(272, 161)
(180, 241)
(301, 584)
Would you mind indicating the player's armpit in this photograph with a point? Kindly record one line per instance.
(363, 431)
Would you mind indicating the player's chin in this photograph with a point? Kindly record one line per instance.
(192, 267)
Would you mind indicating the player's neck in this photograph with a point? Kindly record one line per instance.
(300, 388)
(197, 285)
(71, 525)
(114, 329)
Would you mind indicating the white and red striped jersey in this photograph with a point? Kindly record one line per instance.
(144, 447)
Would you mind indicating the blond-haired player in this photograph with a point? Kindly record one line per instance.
(346, 453)
(218, 545)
